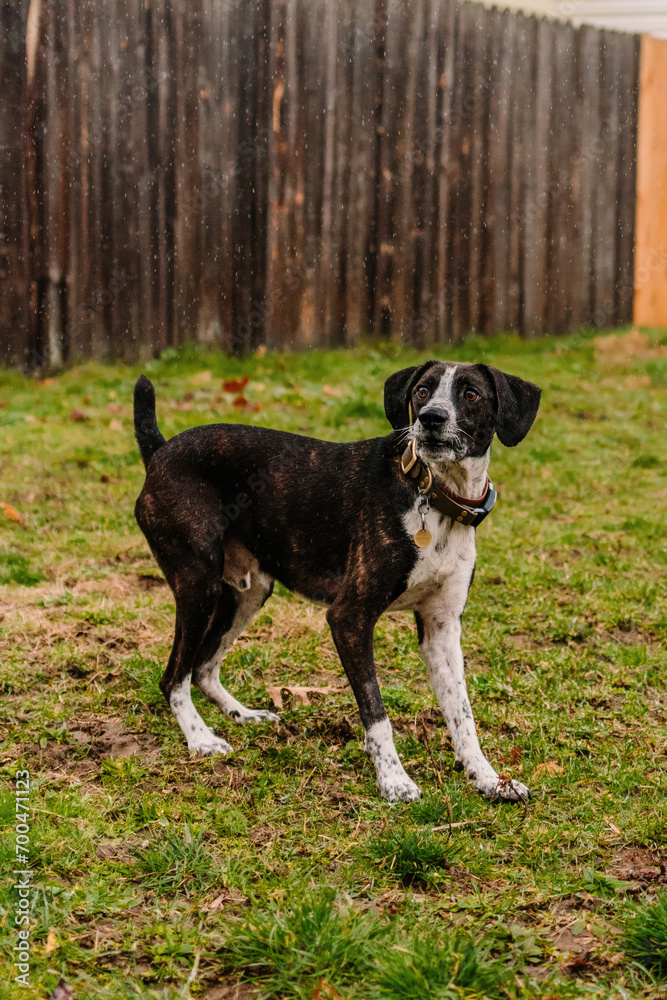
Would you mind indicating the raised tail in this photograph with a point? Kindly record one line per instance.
(146, 429)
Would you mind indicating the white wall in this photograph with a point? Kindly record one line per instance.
(646, 16)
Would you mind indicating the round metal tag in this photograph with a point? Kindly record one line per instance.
(422, 538)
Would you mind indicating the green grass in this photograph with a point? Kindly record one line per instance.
(647, 936)
(279, 870)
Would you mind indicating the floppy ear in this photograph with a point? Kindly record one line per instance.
(397, 390)
(518, 402)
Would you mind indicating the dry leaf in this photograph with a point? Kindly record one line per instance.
(77, 416)
(550, 767)
(328, 391)
(11, 513)
(216, 904)
(235, 384)
(116, 425)
(613, 827)
(240, 402)
(300, 693)
(325, 991)
(51, 942)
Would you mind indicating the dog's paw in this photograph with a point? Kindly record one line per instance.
(254, 715)
(208, 746)
(506, 790)
(399, 788)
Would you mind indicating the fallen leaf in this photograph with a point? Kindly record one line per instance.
(51, 942)
(30, 418)
(328, 391)
(240, 403)
(216, 904)
(613, 827)
(11, 513)
(550, 767)
(77, 416)
(325, 991)
(235, 384)
(300, 693)
(116, 425)
(3, 404)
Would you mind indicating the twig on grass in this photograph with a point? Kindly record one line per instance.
(467, 822)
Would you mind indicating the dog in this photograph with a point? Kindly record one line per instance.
(363, 527)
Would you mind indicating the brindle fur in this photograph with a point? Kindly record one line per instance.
(329, 521)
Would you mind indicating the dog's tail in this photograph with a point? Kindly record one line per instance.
(146, 429)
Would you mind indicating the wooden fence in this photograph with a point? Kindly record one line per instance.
(301, 172)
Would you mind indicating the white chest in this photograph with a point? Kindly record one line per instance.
(449, 557)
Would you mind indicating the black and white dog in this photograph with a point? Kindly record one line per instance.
(364, 528)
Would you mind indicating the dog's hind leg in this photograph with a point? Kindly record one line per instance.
(175, 682)
(222, 632)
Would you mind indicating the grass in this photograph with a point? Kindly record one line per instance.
(647, 936)
(278, 871)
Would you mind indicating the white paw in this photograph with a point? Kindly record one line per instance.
(210, 745)
(397, 788)
(254, 715)
(508, 790)
(500, 787)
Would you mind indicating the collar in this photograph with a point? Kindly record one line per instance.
(464, 510)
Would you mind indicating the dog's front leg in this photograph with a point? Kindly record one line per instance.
(354, 642)
(440, 623)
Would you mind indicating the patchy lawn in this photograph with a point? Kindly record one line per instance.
(278, 871)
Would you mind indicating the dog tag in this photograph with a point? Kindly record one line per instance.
(422, 538)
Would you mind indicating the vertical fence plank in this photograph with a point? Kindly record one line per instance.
(562, 248)
(589, 98)
(626, 172)
(14, 336)
(604, 273)
(360, 184)
(500, 169)
(536, 178)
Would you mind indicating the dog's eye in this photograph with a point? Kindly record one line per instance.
(422, 392)
(471, 395)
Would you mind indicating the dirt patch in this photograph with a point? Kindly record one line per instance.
(237, 991)
(623, 351)
(261, 835)
(640, 864)
(108, 739)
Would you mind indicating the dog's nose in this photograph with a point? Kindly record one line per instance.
(431, 419)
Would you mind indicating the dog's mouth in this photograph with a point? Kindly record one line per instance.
(440, 449)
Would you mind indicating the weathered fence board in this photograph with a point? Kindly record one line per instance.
(301, 172)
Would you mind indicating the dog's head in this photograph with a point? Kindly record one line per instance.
(455, 408)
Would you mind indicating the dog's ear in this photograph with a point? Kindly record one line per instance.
(397, 391)
(518, 402)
